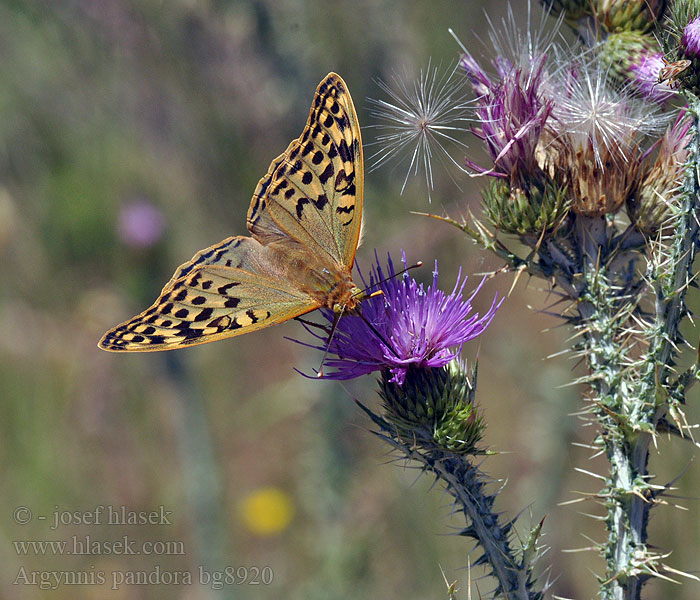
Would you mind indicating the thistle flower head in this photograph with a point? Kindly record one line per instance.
(511, 109)
(652, 207)
(644, 74)
(409, 326)
(541, 88)
(635, 59)
(559, 134)
(512, 116)
(592, 113)
(690, 39)
(598, 182)
(420, 121)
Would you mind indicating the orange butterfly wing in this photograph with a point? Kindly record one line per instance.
(305, 218)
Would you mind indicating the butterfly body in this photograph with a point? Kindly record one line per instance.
(304, 219)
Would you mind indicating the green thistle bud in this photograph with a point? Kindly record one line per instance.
(433, 409)
(649, 211)
(623, 51)
(629, 15)
(512, 210)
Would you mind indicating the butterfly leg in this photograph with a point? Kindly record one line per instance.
(336, 318)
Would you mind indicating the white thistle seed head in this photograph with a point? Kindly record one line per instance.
(523, 44)
(420, 121)
(590, 111)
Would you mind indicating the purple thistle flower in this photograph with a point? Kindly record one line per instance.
(690, 39)
(644, 73)
(411, 326)
(512, 113)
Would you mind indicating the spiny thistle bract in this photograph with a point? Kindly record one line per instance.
(655, 205)
(434, 408)
(513, 210)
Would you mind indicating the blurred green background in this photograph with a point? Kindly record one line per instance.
(132, 134)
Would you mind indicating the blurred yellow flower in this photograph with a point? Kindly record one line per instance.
(267, 511)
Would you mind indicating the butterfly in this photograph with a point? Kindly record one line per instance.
(304, 222)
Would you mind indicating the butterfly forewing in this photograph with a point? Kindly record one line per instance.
(305, 218)
(313, 192)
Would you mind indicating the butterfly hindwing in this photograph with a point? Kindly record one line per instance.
(313, 192)
(224, 291)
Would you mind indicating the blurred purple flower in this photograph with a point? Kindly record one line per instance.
(140, 224)
(410, 327)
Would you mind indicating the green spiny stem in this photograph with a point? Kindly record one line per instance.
(643, 402)
(604, 314)
(466, 484)
(671, 276)
(487, 240)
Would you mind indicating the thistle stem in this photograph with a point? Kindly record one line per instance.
(672, 274)
(625, 447)
(467, 485)
(632, 395)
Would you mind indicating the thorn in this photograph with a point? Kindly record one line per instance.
(681, 573)
(574, 501)
(518, 272)
(574, 550)
(451, 587)
(594, 517)
(590, 473)
(481, 560)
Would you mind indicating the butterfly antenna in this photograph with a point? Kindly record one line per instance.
(362, 292)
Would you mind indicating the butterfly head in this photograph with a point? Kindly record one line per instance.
(345, 297)
(349, 301)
